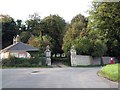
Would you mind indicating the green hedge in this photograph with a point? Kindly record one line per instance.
(23, 62)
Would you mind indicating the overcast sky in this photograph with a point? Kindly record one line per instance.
(21, 9)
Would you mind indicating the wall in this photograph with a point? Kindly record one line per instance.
(6, 55)
(96, 61)
(16, 54)
(88, 60)
(83, 60)
(19, 53)
(106, 60)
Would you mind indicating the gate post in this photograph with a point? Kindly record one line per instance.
(73, 56)
(48, 55)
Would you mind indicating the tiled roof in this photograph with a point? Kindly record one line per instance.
(20, 46)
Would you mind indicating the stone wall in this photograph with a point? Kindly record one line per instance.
(96, 61)
(88, 60)
(83, 60)
(106, 60)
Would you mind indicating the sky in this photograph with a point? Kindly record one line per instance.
(21, 9)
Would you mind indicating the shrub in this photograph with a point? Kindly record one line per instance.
(85, 46)
(99, 48)
(23, 62)
(12, 61)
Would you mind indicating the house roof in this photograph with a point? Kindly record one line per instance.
(19, 46)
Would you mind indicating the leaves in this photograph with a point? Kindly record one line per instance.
(76, 28)
(105, 19)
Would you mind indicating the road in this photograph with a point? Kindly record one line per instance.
(68, 77)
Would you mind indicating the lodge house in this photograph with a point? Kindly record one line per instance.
(17, 49)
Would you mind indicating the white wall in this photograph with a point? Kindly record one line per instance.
(106, 60)
(7, 54)
(97, 60)
(88, 60)
(83, 60)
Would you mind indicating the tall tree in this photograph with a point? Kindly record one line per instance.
(76, 28)
(105, 17)
(8, 30)
(33, 24)
(54, 26)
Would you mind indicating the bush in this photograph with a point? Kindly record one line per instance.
(13, 61)
(99, 48)
(85, 46)
(23, 62)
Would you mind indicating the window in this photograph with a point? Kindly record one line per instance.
(22, 55)
(14, 54)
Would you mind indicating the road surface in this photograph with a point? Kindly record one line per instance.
(68, 77)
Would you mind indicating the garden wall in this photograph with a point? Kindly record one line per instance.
(105, 60)
(89, 60)
(83, 60)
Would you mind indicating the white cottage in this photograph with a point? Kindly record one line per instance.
(17, 49)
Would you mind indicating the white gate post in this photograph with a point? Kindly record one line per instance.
(48, 56)
(73, 56)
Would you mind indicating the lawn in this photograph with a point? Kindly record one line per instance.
(111, 72)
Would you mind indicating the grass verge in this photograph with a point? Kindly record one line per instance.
(110, 72)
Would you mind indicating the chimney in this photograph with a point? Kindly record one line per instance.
(14, 40)
(17, 38)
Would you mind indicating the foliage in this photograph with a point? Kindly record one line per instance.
(41, 42)
(20, 26)
(111, 72)
(23, 62)
(33, 24)
(83, 45)
(86, 42)
(105, 17)
(87, 46)
(24, 36)
(54, 26)
(96, 35)
(75, 29)
(8, 30)
(99, 48)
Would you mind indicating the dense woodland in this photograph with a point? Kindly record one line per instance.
(95, 35)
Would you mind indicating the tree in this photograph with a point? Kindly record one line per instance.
(88, 46)
(33, 41)
(8, 30)
(105, 17)
(41, 43)
(33, 24)
(76, 28)
(83, 45)
(54, 26)
(24, 36)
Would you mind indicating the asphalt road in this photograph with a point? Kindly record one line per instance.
(54, 78)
